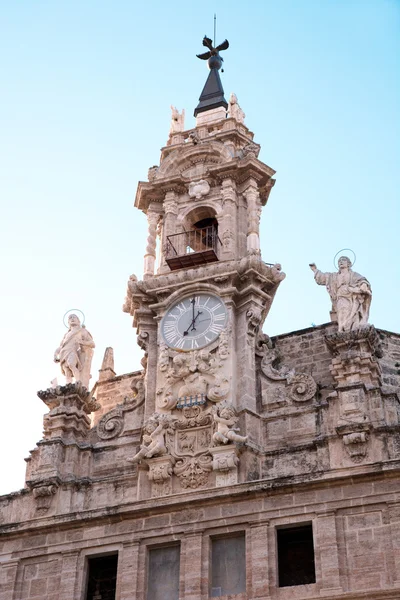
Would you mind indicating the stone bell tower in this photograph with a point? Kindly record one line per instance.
(206, 290)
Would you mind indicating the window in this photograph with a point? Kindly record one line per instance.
(102, 577)
(228, 566)
(296, 556)
(163, 573)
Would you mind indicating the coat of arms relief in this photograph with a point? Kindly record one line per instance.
(194, 429)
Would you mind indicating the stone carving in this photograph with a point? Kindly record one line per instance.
(350, 294)
(224, 342)
(54, 397)
(224, 458)
(177, 120)
(75, 352)
(254, 318)
(153, 440)
(150, 256)
(198, 189)
(227, 239)
(188, 441)
(234, 110)
(226, 418)
(355, 436)
(160, 469)
(112, 423)
(193, 472)
(190, 378)
(43, 491)
(301, 386)
(130, 304)
(251, 149)
(152, 173)
(355, 356)
(194, 137)
(277, 273)
(356, 445)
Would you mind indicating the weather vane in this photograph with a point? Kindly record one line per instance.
(213, 56)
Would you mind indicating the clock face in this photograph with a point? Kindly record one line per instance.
(194, 322)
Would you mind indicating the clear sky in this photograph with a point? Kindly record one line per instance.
(85, 98)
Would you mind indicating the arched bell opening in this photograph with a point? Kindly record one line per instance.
(199, 242)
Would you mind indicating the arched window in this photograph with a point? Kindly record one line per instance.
(198, 243)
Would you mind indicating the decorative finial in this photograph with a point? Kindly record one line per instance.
(212, 56)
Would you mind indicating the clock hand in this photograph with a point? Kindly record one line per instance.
(192, 323)
(195, 319)
(203, 320)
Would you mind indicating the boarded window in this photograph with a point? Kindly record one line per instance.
(163, 573)
(296, 564)
(102, 577)
(228, 566)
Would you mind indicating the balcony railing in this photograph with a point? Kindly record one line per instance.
(192, 248)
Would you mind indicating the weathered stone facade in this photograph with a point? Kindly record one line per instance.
(232, 436)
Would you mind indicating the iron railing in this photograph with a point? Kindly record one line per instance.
(190, 248)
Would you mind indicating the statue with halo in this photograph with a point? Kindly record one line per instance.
(350, 293)
(75, 352)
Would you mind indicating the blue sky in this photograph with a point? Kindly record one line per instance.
(84, 110)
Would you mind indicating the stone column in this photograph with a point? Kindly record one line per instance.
(171, 211)
(128, 571)
(150, 256)
(326, 546)
(257, 561)
(8, 579)
(192, 551)
(228, 228)
(252, 196)
(69, 571)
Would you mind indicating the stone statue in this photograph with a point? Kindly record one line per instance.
(153, 441)
(350, 294)
(234, 110)
(177, 120)
(75, 352)
(226, 418)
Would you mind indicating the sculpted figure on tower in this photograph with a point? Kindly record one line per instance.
(350, 293)
(75, 352)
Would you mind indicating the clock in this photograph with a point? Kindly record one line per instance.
(194, 322)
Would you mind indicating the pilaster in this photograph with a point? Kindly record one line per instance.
(69, 570)
(192, 551)
(8, 579)
(326, 543)
(257, 561)
(128, 571)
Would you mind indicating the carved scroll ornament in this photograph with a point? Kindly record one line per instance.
(301, 386)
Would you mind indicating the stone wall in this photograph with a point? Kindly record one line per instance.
(356, 524)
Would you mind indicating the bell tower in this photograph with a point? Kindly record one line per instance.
(205, 291)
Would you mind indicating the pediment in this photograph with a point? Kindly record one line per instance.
(194, 161)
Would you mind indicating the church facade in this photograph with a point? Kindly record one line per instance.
(232, 465)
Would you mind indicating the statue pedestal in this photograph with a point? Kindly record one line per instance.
(355, 357)
(160, 475)
(225, 462)
(65, 431)
(357, 373)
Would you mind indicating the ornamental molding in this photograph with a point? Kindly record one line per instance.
(111, 425)
(299, 387)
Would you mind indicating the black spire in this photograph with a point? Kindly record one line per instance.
(212, 95)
